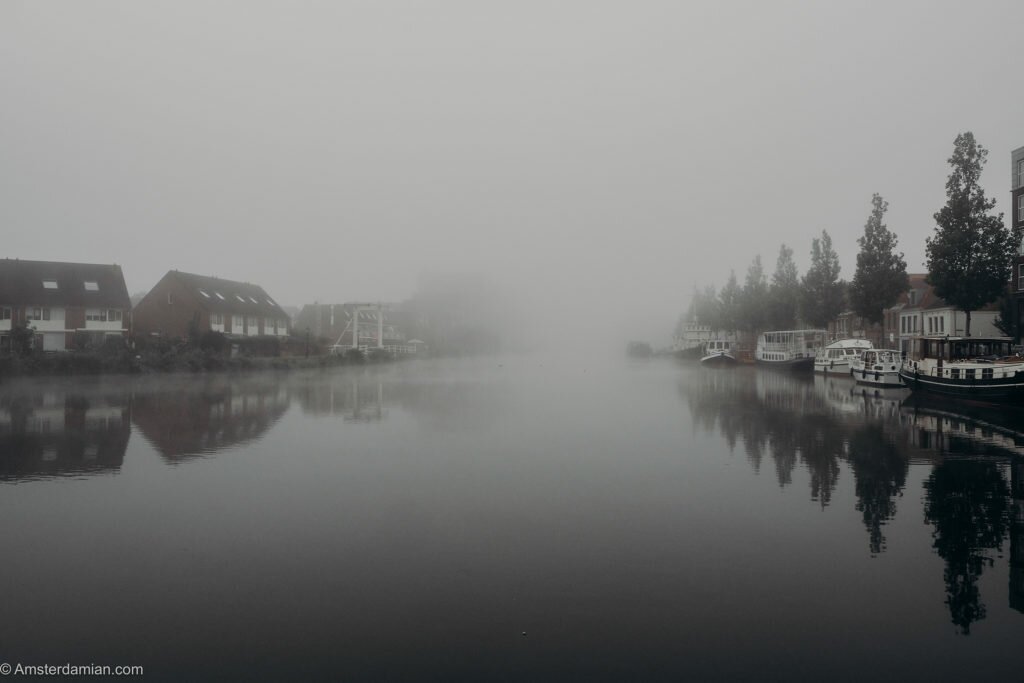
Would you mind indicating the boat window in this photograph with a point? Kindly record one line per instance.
(986, 373)
(969, 373)
(955, 373)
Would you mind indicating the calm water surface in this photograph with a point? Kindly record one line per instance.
(502, 520)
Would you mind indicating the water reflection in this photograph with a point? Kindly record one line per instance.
(48, 433)
(974, 493)
(355, 397)
(787, 416)
(207, 415)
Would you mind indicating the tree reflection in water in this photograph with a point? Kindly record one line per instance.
(880, 474)
(968, 503)
(821, 423)
(772, 412)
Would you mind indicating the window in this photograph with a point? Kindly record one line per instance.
(268, 325)
(942, 324)
(114, 315)
(913, 297)
(5, 312)
(930, 323)
(986, 373)
(205, 295)
(253, 300)
(1020, 207)
(95, 315)
(1020, 277)
(216, 318)
(1020, 173)
(955, 373)
(270, 301)
(239, 298)
(92, 286)
(49, 284)
(252, 323)
(37, 313)
(219, 295)
(236, 323)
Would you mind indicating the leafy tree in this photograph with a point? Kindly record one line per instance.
(707, 308)
(1006, 320)
(971, 252)
(784, 292)
(754, 298)
(881, 272)
(821, 297)
(729, 304)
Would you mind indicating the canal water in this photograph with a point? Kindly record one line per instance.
(529, 518)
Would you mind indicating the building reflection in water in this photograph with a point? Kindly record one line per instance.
(50, 432)
(207, 416)
(974, 494)
(356, 397)
(365, 396)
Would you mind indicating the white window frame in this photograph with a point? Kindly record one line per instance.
(95, 286)
(50, 284)
(6, 312)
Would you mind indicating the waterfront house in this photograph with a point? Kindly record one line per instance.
(921, 312)
(182, 304)
(67, 304)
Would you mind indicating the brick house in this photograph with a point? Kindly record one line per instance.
(62, 300)
(182, 303)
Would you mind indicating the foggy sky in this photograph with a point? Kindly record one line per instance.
(597, 159)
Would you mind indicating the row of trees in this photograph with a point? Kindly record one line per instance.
(969, 258)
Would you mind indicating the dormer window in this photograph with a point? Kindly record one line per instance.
(49, 284)
(92, 286)
(913, 297)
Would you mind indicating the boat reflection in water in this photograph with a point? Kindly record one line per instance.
(207, 415)
(62, 432)
(968, 459)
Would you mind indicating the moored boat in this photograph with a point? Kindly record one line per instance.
(718, 353)
(838, 356)
(968, 367)
(789, 349)
(878, 368)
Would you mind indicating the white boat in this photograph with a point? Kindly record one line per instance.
(979, 368)
(789, 349)
(718, 352)
(878, 368)
(838, 356)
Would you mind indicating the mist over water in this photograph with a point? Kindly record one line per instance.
(632, 518)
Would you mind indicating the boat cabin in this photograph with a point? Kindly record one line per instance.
(953, 349)
(718, 346)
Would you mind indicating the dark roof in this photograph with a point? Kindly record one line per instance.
(228, 296)
(21, 283)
